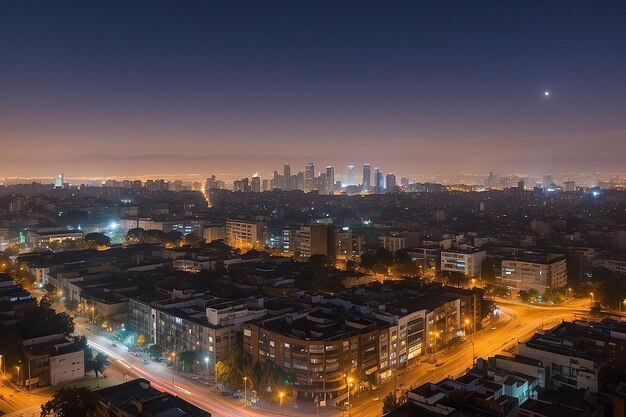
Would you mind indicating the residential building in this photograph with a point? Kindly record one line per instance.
(467, 262)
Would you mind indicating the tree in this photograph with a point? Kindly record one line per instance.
(489, 268)
(186, 360)
(155, 351)
(191, 240)
(43, 320)
(455, 278)
(390, 403)
(173, 238)
(221, 371)
(351, 265)
(318, 260)
(99, 365)
(73, 402)
(141, 340)
(97, 239)
(88, 353)
(153, 236)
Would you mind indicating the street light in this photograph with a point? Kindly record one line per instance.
(18, 374)
(280, 396)
(245, 391)
(591, 297)
(173, 358)
(349, 380)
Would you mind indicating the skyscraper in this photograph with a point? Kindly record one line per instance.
(330, 179)
(309, 177)
(366, 177)
(58, 182)
(287, 174)
(256, 183)
(380, 180)
(350, 177)
(391, 183)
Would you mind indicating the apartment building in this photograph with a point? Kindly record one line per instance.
(465, 262)
(538, 272)
(199, 323)
(246, 234)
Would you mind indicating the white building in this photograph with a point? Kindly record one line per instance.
(466, 262)
(247, 234)
(538, 273)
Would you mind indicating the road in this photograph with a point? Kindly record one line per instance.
(517, 323)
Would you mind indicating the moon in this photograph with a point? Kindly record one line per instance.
(546, 93)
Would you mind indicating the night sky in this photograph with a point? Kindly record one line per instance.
(237, 87)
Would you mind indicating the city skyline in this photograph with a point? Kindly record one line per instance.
(240, 88)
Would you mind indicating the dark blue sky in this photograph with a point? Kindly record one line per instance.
(433, 86)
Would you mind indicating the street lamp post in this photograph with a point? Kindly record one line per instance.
(18, 374)
(349, 381)
(280, 396)
(591, 297)
(173, 356)
(245, 391)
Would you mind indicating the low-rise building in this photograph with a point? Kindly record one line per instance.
(466, 262)
(137, 398)
(52, 360)
(537, 272)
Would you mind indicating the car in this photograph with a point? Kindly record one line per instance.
(376, 398)
(113, 344)
(145, 361)
(195, 377)
(224, 393)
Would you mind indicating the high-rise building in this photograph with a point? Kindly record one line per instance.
(366, 177)
(391, 183)
(350, 176)
(380, 180)
(309, 177)
(265, 186)
(547, 182)
(58, 182)
(256, 184)
(321, 183)
(287, 174)
(330, 179)
(569, 186)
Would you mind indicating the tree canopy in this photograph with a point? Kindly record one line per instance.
(73, 402)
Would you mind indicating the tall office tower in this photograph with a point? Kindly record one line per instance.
(380, 180)
(309, 177)
(265, 186)
(404, 182)
(330, 179)
(321, 183)
(391, 183)
(547, 181)
(350, 176)
(58, 182)
(287, 174)
(256, 183)
(299, 181)
(366, 177)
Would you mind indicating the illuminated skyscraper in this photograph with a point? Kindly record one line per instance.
(380, 180)
(391, 183)
(287, 174)
(256, 183)
(309, 177)
(350, 177)
(58, 182)
(366, 177)
(330, 179)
